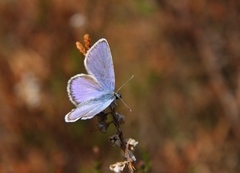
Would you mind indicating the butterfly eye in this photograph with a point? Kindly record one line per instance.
(118, 96)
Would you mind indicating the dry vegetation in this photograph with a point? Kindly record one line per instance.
(185, 95)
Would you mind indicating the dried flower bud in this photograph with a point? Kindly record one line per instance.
(102, 127)
(87, 41)
(102, 122)
(81, 48)
(114, 140)
(117, 167)
(131, 143)
(120, 118)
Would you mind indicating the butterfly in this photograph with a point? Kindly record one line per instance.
(93, 92)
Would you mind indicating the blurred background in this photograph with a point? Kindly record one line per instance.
(185, 96)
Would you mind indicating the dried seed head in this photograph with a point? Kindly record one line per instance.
(117, 167)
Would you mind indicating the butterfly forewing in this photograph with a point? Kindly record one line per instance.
(98, 62)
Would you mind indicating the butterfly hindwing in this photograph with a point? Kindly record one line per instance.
(83, 87)
(89, 109)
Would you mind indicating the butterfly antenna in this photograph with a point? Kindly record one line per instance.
(125, 104)
(125, 83)
(120, 97)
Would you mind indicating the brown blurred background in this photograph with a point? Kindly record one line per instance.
(185, 95)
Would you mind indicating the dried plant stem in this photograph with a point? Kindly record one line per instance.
(125, 146)
(117, 125)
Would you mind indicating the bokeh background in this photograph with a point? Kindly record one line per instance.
(185, 95)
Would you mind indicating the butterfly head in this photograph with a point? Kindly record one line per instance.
(118, 96)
